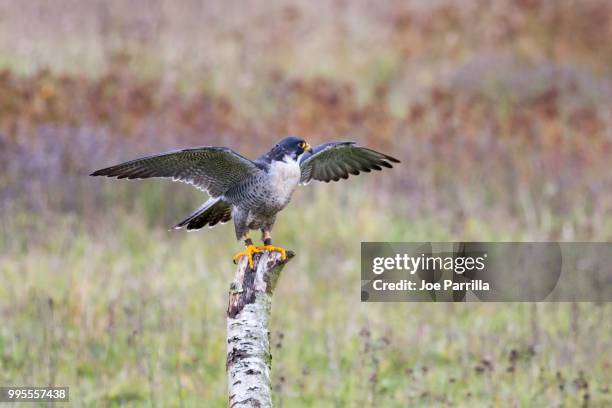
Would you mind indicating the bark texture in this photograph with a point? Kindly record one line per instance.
(248, 338)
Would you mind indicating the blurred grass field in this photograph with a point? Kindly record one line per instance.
(127, 313)
(501, 113)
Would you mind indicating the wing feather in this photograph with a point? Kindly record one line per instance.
(212, 169)
(337, 160)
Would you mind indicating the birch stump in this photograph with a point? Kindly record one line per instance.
(248, 337)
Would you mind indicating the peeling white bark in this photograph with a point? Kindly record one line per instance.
(248, 337)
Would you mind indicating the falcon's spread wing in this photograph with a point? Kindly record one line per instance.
(336, 160)
(212, 169)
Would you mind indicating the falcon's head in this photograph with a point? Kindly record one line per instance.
(291, 146)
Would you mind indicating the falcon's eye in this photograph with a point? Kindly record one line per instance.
(304, 146)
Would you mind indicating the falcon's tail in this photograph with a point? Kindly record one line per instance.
(213, 211)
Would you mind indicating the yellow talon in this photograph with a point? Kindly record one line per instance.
(249, 251)
(273, 248)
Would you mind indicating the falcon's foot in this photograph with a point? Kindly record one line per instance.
(269, 247)
(249, 251)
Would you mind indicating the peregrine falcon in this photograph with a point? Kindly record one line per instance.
(251, 192)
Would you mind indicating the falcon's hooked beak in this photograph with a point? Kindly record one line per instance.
(305, 146)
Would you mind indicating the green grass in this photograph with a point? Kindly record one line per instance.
(126, 313)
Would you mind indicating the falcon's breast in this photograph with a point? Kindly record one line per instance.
(284, 176)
